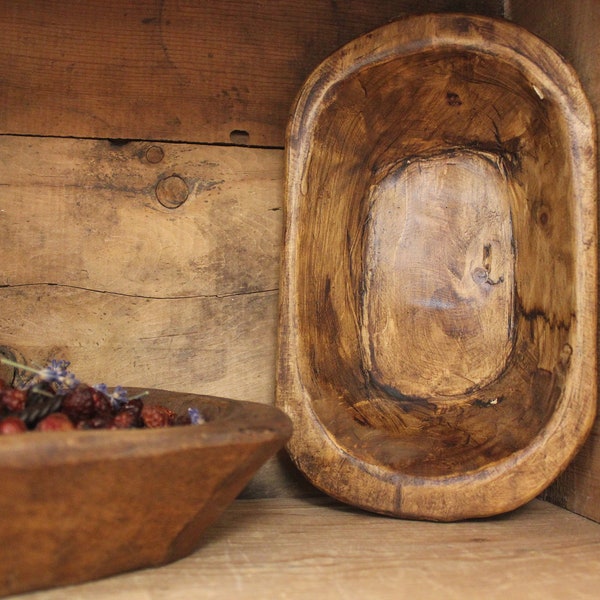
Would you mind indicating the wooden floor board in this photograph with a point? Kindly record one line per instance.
(315, 548)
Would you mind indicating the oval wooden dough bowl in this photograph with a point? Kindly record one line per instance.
(80, 505)
(438, 298)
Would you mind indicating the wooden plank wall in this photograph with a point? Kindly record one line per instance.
(95, 269)
(176, 70)
(107, 109)
(572, 27)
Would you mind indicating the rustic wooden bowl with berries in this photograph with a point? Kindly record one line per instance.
(86, 501)
(438, 294)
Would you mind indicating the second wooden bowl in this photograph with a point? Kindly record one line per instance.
(438, 297)
(80, 505)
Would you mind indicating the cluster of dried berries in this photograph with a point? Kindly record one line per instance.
(56, 401)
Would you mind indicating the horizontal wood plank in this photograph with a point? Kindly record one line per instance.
(87, 214)
(298, 549)
(221, 347)
(97, 271)
(183, 71)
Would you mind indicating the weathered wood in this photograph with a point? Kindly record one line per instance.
(179, 71)
(80, 505)
(63, 74)
(412, 241)
(97, 271)
(439, 284)
(572, 28)
(293, 549)
(205, 345)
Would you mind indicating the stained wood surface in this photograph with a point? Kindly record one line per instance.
(439, 284)
(572, 28)
(292, 549)
(97, 271)
(180, 71)
(79, 505)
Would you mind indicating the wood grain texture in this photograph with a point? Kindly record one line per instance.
(97, 271)
(572, 28)
(175, 70)
(292, 549)
(412, 242)
(86, 68)
(438, 305)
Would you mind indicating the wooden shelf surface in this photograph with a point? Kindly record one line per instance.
(292, 548)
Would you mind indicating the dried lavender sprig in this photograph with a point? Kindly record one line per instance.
(56, 372)
(196, 417)
(119, 396)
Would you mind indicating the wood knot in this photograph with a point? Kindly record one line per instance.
(453, 99)
(172, 191)
(154, 154)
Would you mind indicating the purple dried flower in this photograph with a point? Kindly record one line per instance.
(68, 381)
(102, 388)
(59, 365)
(49, 375)
(55, 373)
(119, 396)
(195, 417)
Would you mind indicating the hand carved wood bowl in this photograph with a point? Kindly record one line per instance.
(81, 505)
(438, 307)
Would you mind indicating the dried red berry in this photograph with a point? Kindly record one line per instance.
(10, 425)
(78, 404)
(96, 423)
(13, 399)
(134, 409)
(135, 405)
(157, 416)
(102, 404)
(55, 422)
(125, 419)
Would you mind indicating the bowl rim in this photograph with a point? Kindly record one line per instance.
(237, 422)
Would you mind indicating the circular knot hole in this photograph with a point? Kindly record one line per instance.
(172, 191)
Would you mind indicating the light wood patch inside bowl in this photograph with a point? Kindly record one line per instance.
(438, 308)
